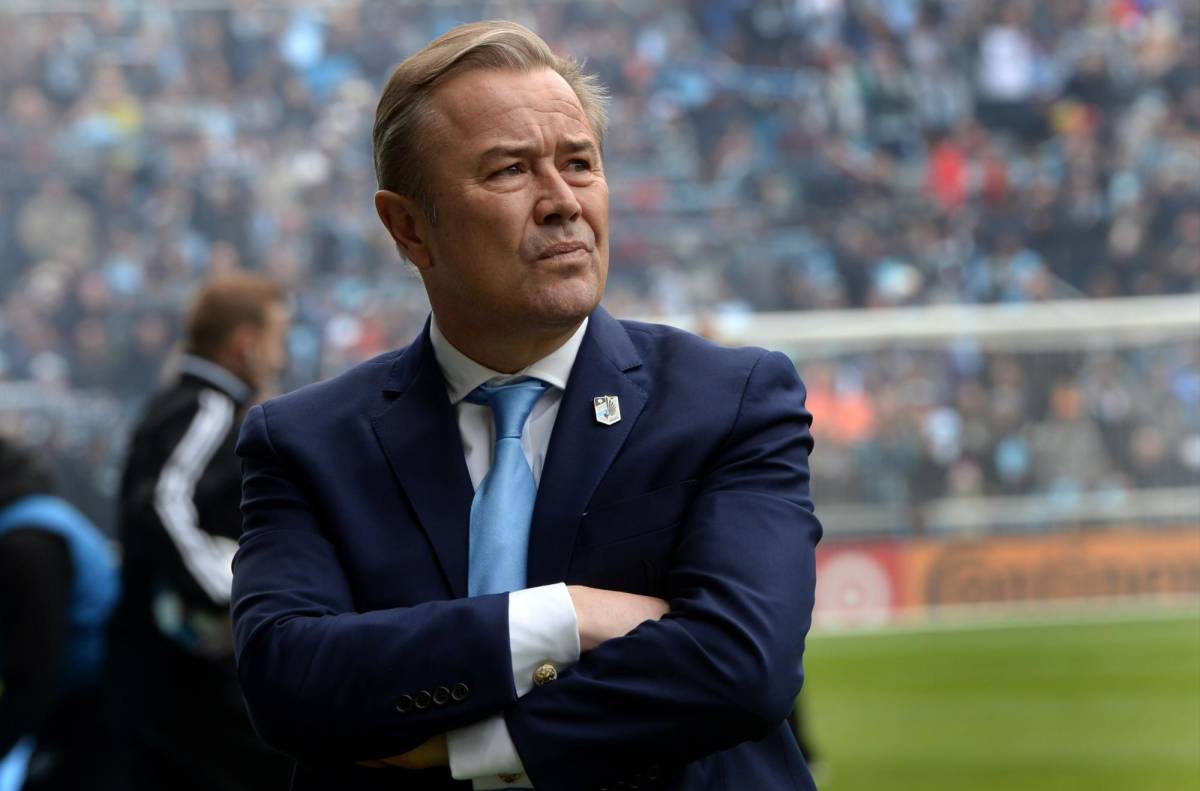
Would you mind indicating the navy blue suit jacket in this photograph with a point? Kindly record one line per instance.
(355, 637)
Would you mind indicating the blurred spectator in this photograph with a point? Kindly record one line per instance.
(58, 586)
(56, 224)
(1068, 451)
(181, 709)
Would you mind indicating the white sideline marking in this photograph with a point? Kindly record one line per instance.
(974, 618)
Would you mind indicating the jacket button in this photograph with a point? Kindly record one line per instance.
(544, 674)
(405, 704)
(441, 696)
(423, 699)
(460, 692)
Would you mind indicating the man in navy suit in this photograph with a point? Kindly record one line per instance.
(537, 547)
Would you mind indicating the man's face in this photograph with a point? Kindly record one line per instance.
(521, 237)
(267, 355)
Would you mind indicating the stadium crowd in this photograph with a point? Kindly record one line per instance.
(761, 156)
(905, 428)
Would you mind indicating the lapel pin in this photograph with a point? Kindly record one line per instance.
(608, 409)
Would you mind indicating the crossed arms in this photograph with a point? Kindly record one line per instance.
(601, 616)
(721, 666)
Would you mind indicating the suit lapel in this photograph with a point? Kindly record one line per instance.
(418, 432)
(582, 449)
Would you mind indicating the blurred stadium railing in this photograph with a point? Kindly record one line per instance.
(1010, 455)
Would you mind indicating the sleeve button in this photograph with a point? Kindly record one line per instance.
(460, 692)
(441, 696)
(544, 674)
(423, 699)
(510, 778)
(405, 704)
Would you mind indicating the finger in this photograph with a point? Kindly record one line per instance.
(400, 761)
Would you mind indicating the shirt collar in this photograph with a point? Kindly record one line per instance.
(215, 375)
(462, 374)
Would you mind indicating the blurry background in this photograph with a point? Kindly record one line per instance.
(975, 226)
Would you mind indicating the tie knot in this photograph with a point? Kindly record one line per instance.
(511, 403)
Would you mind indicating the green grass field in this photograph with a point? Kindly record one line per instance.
(1088, 706)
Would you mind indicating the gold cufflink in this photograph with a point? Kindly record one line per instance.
(544, 674)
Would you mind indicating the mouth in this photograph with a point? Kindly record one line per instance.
(564, 251)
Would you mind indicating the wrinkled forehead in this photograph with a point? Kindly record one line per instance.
(474, 110)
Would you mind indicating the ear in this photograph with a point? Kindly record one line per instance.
(407, 224)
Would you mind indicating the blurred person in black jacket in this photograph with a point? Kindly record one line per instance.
(182, 715)
(58, 586)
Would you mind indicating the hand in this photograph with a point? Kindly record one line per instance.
(605, 614)
(426, 756)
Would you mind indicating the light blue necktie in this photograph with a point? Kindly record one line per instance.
(503, 506)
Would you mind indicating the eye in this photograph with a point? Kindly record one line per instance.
(580, 165)
(510, 170)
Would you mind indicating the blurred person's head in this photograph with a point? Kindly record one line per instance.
(108, 85)
(22, 473)
(1149, 448)
(151, 334)
(240, 322)
(971, 397)
(488, 156)
(28, 107)
(1186, 228)
(1066, 402)
(1007, 243)
(92, 339)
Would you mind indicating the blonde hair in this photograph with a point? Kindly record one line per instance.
(403, 107)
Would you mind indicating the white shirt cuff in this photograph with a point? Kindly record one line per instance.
(542, 627)
(484, 751)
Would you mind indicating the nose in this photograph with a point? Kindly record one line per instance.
(557, 204)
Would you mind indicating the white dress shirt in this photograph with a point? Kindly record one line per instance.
(542, 625)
